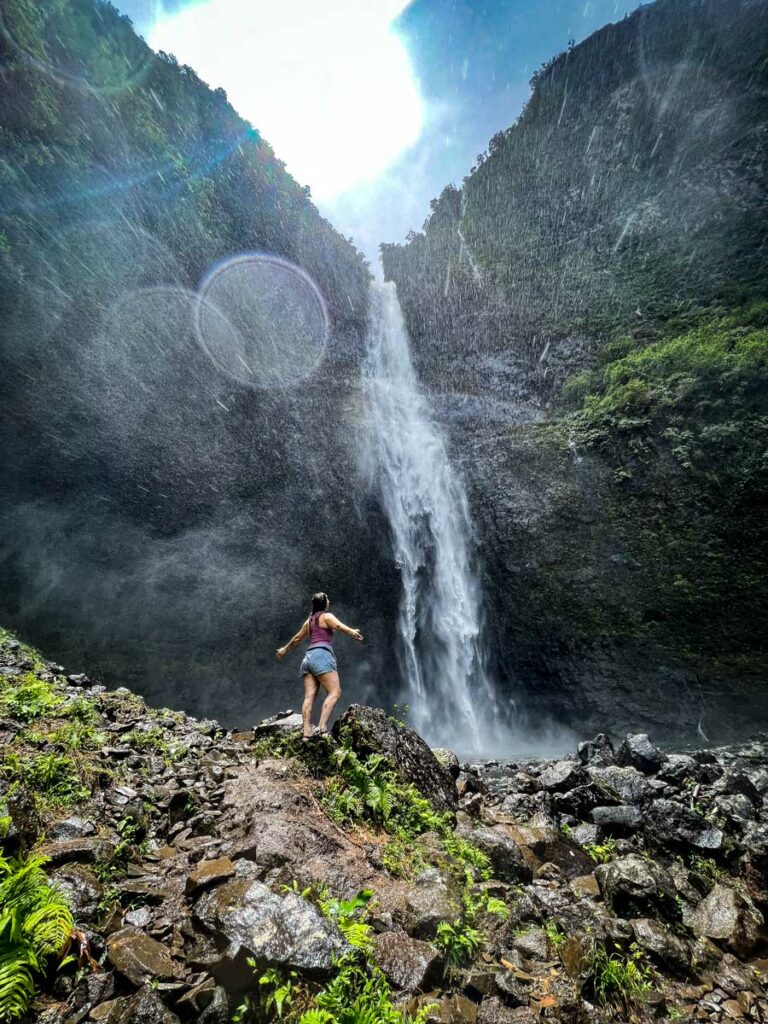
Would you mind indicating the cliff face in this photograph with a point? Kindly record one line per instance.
(160, 521)
(587, 313)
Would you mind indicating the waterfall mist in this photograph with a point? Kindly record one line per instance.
(440, 625)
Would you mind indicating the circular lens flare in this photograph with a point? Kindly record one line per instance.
(262, 321)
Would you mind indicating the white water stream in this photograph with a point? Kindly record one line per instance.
(453, 702)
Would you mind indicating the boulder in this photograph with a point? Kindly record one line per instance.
(514, 991)
(532, 944)
(139, 958)
(638, 752)
(71, 828)
(507, 861)
(598, 751)
(208, 873)
(669, 823)
(561, 776)
(281, 724)
(664, 947)
(147, 1007)
(448, 760)
(636, 887)
(494, 1011)
(730, 918)
(371, 731)
(549, 846)
(627, 785)
(87, 849)
(247, 920)
(427, 903)
(82, 888)
(618, 821)
(409, 964)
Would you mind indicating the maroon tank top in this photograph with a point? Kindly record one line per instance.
(319, 635)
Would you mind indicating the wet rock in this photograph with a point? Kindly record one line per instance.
(448, 760)
(635, 886)
(208, 873)
(669, 823)
(427, 903)
(665, 948)
(83, 850)
(574, 955)
(501, 849)
(217, 1011)
(409, 964)
(249, 920)
(730, 918)
(638, 752)
(71, 828)
(446, 1009)
(548, 845)
(598, 751)
(147, 1007)
(532, 944)
(494, 1011)
(736, 806)
(584, 833)
(627, 785)
(513, 990)
(622, 820)
(282, 723)
(371, 731)
(139, 917)
(140, 958)
(83, 889)
(561, 776)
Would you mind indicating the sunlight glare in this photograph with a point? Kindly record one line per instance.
(329, 85)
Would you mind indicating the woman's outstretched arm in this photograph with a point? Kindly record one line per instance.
(282, 651)
(334, 623)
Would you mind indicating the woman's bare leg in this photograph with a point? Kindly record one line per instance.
(311, 686)
(332, 686)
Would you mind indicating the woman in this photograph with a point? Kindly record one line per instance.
(319, 665)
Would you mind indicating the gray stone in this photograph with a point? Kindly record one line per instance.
(139, 958)
(598, 751)
(283, 722)
(532, 943)
(409, 964)
(730, 918)
(661, 944)
(87, 849)
(71, 828)
(449, 760)
(83, 889)
(627, 785)
(501, 849)
(561, 776)
(371, 731)
(428, 903)
(250, 920)
(635, 886)
(494, 1011)
(668, 823)
(638, 751)
(618, 821)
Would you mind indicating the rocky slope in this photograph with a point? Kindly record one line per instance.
(210, 870)
(588, 313)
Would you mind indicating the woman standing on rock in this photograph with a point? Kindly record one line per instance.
(319, 665)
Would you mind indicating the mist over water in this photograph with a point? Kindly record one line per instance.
(440, 637)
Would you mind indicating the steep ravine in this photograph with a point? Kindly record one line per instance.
(361, 877)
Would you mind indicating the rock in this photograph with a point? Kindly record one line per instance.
(427, 903)
(532, 943)
(587, 885)
(584, 834)
(445, 1009)
(83, 850)
(661, 944)
(627, 785)
(147, 1007)
(281, 723)
(598, 751)
(208, 873)
(249, 920)
(83, 889)
(638, 752)
(409, 964)
(448, 760)
(217, 1011)
(574, 955)
(494, 1011)
(618, 821)
(139, 958)
(729, 918)
(139, 917)
(634, 886)
(668, 823)
(514, 991)
(497, 844)
(548, 845)
(736, 806)
(371, 731)
(561, 776)
(71, 828)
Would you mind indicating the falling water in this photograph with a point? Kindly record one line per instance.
(451, 698)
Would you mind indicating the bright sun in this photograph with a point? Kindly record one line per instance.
(327, 82)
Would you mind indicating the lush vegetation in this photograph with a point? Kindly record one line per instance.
(35, 926)
(620, 977)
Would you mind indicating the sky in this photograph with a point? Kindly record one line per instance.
(377, 105)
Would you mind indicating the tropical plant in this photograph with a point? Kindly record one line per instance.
(618, 976)
(35, 925)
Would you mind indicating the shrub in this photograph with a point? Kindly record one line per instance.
(619, 977)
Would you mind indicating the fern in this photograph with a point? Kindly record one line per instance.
(35, 924)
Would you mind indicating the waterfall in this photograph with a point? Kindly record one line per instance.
(441, 655)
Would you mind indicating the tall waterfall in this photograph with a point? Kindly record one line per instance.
(451, 697)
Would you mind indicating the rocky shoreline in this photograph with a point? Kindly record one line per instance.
(242, 875)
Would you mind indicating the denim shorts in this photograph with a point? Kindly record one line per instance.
(318, 660)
